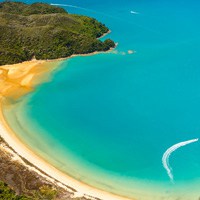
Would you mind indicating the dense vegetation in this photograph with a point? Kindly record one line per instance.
(44, 193)
(6, 193)
(46, 32)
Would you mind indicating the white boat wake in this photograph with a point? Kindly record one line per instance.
(166, 155)
(133, 12)
(82, 8)
(67, 5)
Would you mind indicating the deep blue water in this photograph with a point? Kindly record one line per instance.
(117, 113)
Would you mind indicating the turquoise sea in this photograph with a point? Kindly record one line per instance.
(107, 119)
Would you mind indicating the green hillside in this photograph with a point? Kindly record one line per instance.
(46, 32)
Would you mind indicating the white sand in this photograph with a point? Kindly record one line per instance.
(20, 78)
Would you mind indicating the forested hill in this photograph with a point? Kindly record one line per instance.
(46, 32)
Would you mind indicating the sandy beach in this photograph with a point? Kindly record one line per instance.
(16, 81)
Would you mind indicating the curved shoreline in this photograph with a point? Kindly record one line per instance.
(27, 82)
(22, 79)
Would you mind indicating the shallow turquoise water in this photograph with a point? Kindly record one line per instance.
(116, 113)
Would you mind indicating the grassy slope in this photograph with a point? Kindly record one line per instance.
(46, 32)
